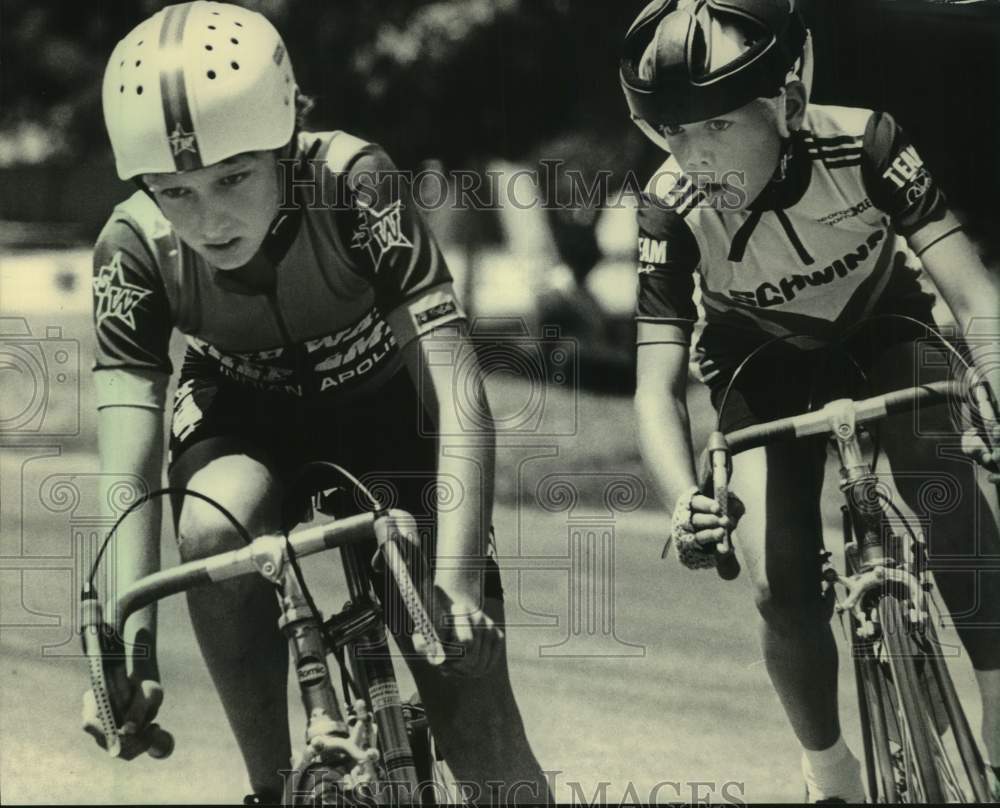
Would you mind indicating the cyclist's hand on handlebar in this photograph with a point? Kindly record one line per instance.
(973, 446)
(144, 700)
(474, 641)
(697, 526)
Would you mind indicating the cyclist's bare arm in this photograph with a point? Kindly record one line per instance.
(130, 443)
(467, 444)
(466, 458)
(665, 436)
(661, 410)
(972, 292)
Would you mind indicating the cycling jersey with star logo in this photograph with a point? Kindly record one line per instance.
(353, 275)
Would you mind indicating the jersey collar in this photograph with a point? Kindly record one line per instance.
(791, 178)
(257, 276)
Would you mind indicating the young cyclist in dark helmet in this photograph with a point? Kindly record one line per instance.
(798, 219)
(307, 321)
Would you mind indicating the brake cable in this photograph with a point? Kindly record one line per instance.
(377, 508)
(160, 492)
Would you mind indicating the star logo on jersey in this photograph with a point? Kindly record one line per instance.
(181, 141)
(114, 297)
(380, 231)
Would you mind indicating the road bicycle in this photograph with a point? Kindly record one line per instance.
(918, 745)
(376, 749)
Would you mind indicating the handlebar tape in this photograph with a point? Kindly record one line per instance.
(727, 565)
(109, 682)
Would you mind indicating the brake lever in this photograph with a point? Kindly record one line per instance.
(105, 653)
(396, 541)
(727, 565)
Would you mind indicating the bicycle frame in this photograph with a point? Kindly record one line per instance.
(872, 564)
(886, 593)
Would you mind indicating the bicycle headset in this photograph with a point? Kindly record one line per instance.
(684, 88)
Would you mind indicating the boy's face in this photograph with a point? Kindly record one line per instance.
(732, 156)
(222, 211)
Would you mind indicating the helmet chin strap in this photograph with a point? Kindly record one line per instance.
(781, 114)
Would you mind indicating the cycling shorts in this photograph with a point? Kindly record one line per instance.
(384, 438)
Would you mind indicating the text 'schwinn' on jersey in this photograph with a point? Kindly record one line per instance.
(812, 256)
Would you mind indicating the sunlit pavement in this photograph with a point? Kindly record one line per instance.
(637, 680)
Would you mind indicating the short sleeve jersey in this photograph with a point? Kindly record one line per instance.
(356, 276)
(811, 256)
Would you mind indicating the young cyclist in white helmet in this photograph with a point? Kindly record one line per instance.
(798, 219)
(307, 293)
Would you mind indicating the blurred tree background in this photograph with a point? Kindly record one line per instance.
(453, 79)
(466, 81)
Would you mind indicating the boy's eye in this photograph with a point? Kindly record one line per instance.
(719, 126)
(234, 179)
(671, 130)
(173, 193)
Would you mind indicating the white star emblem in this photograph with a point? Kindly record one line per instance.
(113, 296)
(380, 231)
(181, 141)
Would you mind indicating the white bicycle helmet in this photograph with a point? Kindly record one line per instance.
(194, 84)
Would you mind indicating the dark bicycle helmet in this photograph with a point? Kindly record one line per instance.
(690, 60)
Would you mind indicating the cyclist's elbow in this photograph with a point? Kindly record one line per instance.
(655, 401)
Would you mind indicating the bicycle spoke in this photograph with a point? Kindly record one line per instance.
(902, 655)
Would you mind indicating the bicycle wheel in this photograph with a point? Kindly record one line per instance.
(918, 738)
(437, 785)
(873, 704)
(959, 761)
(316, 786)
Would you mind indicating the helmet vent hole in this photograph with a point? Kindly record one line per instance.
(138, 90)
(211, 74)
(211, 28)
(139, 42)
(234, 65)
(121, 63)
(138, 62)
(215, 13)
(208, 47)
(238, 24)
(121, 89)
(234, 40)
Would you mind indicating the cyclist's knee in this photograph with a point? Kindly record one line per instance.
(245, 488)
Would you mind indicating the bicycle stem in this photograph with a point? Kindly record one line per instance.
(859, 485)
(305, 641)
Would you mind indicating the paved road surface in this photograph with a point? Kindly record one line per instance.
(629, 671)
(676, 692)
